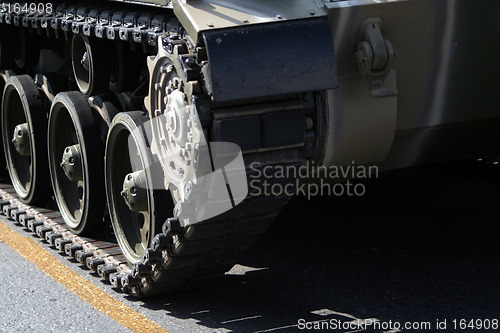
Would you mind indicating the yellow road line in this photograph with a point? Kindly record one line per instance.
(99, 299)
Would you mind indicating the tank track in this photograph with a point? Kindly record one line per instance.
(114, 21)
(180, 257)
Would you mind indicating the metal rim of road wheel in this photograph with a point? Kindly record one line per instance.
(76, 162)
(137, 210)
(26, 49)
(91, 64)
(3, 165)
(24, 134)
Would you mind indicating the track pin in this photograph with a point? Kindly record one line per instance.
(105, 270)
(151, 257)
(162, 242)
(60, 243)
(116, 280)
(171, 226)
(72, 248)
(16, 213)
(82, 255)
(128, 281)
(41, 230)
(93, 262)
(23, 219)
(7, 209)
(32, 224)
(52, 236)
(140, 270)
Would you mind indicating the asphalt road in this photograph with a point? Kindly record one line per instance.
(421, 246)
(30, 301)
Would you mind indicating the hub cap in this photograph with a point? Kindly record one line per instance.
(134, 192)
(21, 139)
(71, 163)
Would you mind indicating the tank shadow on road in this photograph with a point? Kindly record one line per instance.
(421, 245)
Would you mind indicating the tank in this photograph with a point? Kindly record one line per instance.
(169, 134)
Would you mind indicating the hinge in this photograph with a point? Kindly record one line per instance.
(374, 57)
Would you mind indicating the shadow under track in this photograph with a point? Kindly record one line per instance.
(421, 245)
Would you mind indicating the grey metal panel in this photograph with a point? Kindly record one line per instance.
(158, 3)
(243, 131)
(201, 15)
(270, 59)
(447, 77)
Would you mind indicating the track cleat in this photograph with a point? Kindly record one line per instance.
(60, 243)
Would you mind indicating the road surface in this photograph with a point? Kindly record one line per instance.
(422, 246)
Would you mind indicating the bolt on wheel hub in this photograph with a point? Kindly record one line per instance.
(85, 61)
(21, 139)
(71, 164)
(133, 193)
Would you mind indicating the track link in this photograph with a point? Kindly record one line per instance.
(179, 259)
(114, 21)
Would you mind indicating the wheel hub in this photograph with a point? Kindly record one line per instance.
(21, 139)
(133, 193)
(85, 61)
(71, 164)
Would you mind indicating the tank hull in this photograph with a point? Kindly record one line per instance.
(447, 105)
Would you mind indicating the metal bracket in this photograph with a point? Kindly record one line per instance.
(374, 57)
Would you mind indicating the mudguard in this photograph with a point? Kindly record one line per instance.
(270, 59)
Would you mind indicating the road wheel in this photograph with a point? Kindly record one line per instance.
(24, 134)
(91, 64)
(76, 162)
(136, 209)
(27, 51)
